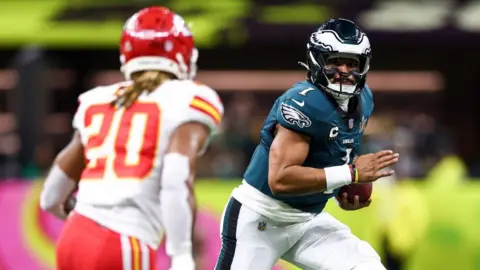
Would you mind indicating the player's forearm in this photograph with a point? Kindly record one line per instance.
(178, 215)
(177, 219)
(299, 180)
(176, 198)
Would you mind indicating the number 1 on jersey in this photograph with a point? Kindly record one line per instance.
(347, 155)
(304, 92)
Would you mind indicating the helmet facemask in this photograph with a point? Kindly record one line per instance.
(339, 82)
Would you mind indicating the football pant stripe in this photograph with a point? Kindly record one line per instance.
(126, 252)
(136, 256)
(229, 235)
(145, 256)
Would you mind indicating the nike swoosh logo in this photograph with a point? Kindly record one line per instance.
(301, 104)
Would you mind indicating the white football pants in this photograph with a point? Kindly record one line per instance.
(251, 241)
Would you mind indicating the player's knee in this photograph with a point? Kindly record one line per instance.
(370, 265)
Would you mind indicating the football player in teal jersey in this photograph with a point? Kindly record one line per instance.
(309, 149)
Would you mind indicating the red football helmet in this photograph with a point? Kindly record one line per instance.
(156, 38)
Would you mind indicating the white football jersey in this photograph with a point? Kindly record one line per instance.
(120, 186)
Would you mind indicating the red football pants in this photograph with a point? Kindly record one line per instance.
(86, 245)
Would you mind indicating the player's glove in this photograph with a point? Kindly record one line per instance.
(183, 262)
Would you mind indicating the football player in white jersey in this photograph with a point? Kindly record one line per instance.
(133, 154)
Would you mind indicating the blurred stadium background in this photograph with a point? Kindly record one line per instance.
(424, 77)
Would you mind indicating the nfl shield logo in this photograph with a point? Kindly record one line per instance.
(350, 123)
(262, 225)
(363, 124)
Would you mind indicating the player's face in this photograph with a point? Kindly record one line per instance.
(344, 67)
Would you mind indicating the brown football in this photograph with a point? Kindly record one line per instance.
(363, 191)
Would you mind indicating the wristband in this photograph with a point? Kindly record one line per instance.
(338, 176)
(354, 173)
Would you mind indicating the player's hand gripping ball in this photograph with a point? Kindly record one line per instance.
(363, 191)
(355, 196)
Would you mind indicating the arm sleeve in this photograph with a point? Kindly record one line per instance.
(177, 216)
(56, 189)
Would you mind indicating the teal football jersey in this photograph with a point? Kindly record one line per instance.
(335, 137)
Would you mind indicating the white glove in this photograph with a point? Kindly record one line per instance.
(183, 262)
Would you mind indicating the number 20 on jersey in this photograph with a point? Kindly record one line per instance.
(122, 142)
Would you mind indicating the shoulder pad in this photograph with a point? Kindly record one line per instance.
(367, 96)
(368, 92)
(203, 103)
(299, 108)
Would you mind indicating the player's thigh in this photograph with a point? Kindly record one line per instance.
(249, 241)
(329, 244)
(79, 243)
(85, 244)
(68, 246)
